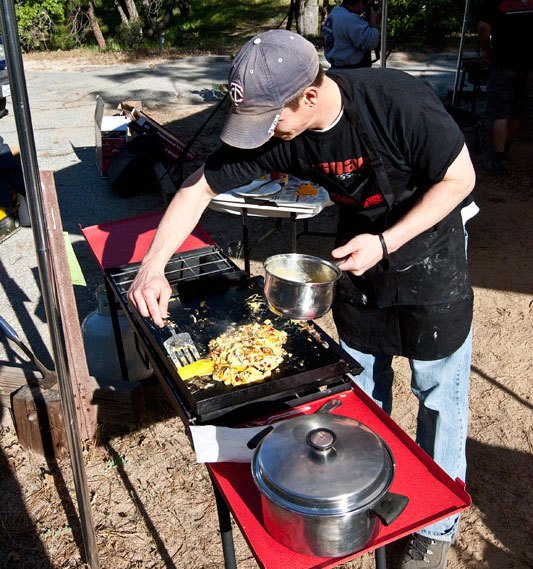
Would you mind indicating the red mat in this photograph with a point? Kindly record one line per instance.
(118, 243)
(433, 495)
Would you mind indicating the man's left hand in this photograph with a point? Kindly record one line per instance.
(359, 254)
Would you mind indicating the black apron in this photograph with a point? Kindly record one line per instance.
(419, 303)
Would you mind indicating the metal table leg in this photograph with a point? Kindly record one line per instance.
(226, 533)
(294, 236)
(245, 240)
(113, 311)
(381, 558)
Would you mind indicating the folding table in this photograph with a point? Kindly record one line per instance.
(287, 204)
(432, 494)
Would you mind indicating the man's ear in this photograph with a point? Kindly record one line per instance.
(310, 96)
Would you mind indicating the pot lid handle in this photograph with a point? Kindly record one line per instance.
(321, 439)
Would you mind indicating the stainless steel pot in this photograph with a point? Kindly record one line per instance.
(301, 287)
(324, 483)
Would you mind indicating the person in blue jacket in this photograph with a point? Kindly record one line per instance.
(350, 34)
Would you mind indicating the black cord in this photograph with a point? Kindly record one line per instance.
(189, 144)
(180, 159)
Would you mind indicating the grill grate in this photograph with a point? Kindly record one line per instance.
(182, 267)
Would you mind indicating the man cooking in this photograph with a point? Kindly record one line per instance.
(397, 166)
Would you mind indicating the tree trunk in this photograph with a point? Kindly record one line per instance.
(131, 10)
(100, 40)
(122, 14)
(307, 17)
(324, 11)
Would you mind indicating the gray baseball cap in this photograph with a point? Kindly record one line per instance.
(268, 72)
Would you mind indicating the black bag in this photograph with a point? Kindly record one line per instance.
(131, 171)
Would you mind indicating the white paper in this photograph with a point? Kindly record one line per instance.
(222, 444)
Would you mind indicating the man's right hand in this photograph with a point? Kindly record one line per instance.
(150, 293)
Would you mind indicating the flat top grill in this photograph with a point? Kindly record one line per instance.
(210, 294)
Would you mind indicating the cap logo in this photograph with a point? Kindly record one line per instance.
(236, 92)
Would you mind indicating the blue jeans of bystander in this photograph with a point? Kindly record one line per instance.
(441, 387)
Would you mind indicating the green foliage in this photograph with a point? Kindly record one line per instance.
(36, 21)
(440, 18)
(218, 26)
(214, 25)
(130, 35)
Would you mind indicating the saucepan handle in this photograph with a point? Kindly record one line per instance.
(390, 507)
(258, 437)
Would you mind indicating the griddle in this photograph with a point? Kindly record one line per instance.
(205, 303)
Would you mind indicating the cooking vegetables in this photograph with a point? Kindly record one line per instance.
(247, 353)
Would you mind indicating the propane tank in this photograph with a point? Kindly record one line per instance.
(101, 348)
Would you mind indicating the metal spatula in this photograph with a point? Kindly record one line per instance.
(180, 347)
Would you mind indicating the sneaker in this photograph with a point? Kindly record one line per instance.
(424, 552)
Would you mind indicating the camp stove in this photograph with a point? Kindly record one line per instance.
(210, 293)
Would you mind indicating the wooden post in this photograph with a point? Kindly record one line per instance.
(118, 402)
(39, 421)
(77, 362)
(13, 378)
(38, 416)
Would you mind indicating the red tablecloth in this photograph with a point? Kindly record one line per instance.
(118, 243)
(433, 495)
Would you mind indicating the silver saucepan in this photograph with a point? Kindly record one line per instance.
(301, 287)
(324, 482)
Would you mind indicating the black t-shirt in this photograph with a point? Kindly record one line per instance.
(511, 24)
(415, 140)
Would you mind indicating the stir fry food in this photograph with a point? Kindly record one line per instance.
(247, 353)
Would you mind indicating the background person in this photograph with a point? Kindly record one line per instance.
(349, 37)
(11, 188)
(367, 135)
(505, 31)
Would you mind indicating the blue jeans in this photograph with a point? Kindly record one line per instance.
(441, 387)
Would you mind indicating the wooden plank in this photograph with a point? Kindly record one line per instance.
(13, 378)
(77, 362)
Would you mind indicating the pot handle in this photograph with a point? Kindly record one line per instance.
(258, 437)
(390, 507)
(329, 406)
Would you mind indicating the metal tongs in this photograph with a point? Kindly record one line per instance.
(180, 347)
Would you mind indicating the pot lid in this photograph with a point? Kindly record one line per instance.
(323, 464)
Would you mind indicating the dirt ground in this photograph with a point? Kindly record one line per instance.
(153, 506)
